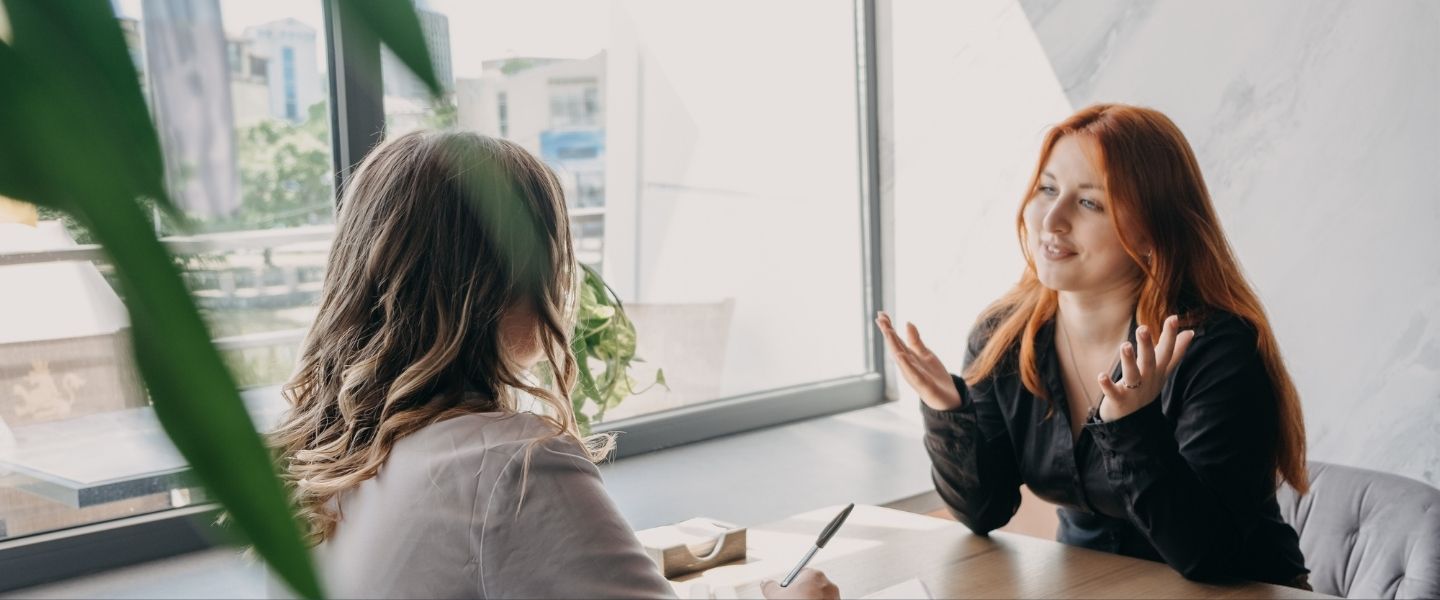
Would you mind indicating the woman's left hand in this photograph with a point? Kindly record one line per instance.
(1145, 369)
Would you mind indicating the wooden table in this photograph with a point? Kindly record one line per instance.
(878, 548)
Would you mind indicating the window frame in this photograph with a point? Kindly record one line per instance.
(357, 124)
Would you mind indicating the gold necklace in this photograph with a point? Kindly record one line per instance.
(1075, 365)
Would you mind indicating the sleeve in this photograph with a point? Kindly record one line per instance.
(1196, 488)
(973, 462)
(548, 529)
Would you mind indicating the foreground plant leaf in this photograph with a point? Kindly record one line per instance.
(398, 27)
(79, 139)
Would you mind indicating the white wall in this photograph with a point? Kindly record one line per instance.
(1317, 125)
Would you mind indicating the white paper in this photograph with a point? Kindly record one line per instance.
(908, 589)
(702, 590)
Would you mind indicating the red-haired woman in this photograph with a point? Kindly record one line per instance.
(1130, 377)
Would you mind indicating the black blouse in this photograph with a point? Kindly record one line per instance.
(1188, 480)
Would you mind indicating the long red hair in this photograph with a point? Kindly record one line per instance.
(1154, 185)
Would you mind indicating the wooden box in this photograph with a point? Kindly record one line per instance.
(693, 545)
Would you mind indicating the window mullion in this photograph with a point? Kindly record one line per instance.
(357, 109)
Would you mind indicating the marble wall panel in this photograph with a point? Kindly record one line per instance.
(1317, 124)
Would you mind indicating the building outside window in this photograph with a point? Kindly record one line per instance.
(574, 104)
(287, 65)
(503, 114)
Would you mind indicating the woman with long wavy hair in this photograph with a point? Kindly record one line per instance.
(408, 444)
(1130, 377)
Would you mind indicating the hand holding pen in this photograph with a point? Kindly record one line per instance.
(809, 583)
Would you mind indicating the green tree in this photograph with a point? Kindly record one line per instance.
(443, 114)
(285, 174)
(285, 180)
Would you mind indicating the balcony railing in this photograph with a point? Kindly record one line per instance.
(185, 244)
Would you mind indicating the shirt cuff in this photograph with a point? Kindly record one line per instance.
(965, 413)
(1136, 437)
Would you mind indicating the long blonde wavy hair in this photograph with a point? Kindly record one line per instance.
(439, 236)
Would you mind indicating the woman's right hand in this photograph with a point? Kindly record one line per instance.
(919, 366)
(810, 583)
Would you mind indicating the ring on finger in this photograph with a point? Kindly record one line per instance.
(1130, 386)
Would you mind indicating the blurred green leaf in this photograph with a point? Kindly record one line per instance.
(78, 138)
(195, 397)
(78, 60)
(398, 27)
(18, 177)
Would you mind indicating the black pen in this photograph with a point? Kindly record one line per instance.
(819, 543)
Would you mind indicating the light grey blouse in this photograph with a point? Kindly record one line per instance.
(455, 513)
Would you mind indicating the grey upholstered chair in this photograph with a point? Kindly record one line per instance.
(1367, 534)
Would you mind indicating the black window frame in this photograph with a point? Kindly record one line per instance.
(357, 124)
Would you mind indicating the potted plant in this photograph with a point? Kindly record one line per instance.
(604, 347)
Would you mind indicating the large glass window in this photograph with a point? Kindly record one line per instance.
(713, 170)
(711, 165)
(238, 91)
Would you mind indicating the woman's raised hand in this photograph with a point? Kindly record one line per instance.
(1145, 367)
(919, 366)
